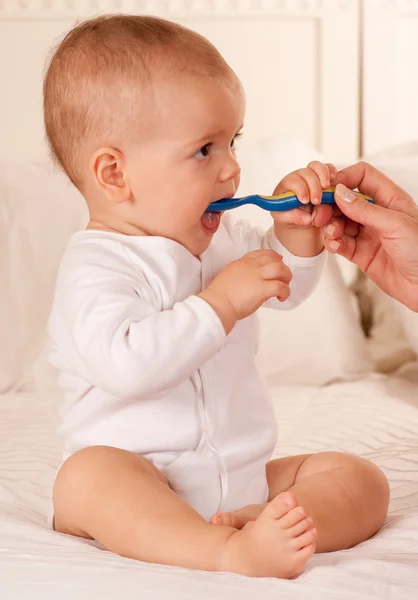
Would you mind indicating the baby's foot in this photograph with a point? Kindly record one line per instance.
(277, 544)
(239, 518)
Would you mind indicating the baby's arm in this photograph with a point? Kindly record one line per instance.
(300, 230)
(296, 235)
(118, 341)
(306, 271)
(114, 337)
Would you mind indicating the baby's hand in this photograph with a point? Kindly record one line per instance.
(245, 284)
(307, 184)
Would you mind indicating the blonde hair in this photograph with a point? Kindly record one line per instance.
(97, 75)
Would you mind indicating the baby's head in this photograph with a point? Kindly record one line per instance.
(142, 115)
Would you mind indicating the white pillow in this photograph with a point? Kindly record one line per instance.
(38, 213)
(391, 324)
(319, 342)
(409, 320)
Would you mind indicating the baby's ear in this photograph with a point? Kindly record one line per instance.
(108, 170)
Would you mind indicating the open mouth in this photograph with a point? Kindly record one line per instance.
(210, 221)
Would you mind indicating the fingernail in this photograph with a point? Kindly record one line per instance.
(326, 184)
(304, 200)
(287, 501)
(334, 245)
(313, 215)
(307, 219)
(329, 230)
(344, 193)
(315, 200)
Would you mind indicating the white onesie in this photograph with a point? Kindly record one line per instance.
(146, 366)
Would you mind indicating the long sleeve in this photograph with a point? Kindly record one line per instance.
(118, 341)
(306, 271)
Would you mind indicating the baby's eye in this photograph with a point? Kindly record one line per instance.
(203, 152)
(237, 137)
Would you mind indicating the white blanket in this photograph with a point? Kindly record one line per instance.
(376, 417)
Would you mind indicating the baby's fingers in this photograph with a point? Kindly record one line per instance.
(297, 216)
(313, 181)
(276, 289)
(333, 172)
(326, 173)
(294, 183)
(276, 270)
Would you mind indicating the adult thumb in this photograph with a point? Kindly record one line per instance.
(358, 209)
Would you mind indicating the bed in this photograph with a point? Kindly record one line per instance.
(342, 369)
(376, 416)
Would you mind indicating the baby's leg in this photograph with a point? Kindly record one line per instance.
(346, 496)
(125, 503)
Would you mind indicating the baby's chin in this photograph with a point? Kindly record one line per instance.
(198, 239)
(198, 247)
(198, 244)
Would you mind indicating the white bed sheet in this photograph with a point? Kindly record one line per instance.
(376, 417)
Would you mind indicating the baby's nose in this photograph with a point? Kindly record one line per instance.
(231, 169)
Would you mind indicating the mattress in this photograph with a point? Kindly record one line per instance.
(376, 417)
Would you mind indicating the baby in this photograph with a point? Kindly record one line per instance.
(168, 430)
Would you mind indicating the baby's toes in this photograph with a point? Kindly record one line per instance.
(223, 519)
(300, 527)
(293, 517)
(301, 556)
(229, 519)
(305, 539)
(280, 506)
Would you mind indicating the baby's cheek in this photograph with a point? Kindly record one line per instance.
(237, 181)
(181, 219)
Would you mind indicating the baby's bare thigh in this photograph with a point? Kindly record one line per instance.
(283, 473)
(83, 480)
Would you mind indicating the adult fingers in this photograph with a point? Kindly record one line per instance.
(378, 186)
(322, 214)
(336, 227)
(360, 210)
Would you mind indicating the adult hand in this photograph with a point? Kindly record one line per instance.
(381, 238)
